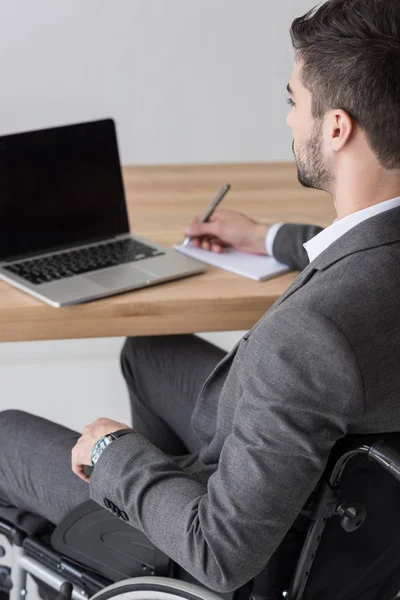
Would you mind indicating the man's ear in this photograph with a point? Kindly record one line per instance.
(341, 128)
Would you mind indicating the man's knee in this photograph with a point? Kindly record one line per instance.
(142, 351)
(15, 428)
(12, 417)
(133, 349)
(129, 348)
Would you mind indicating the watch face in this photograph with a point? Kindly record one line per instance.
(98, 448)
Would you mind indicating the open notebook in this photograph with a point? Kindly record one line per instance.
(254, 266)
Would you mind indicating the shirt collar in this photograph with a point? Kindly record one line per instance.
(327, 236)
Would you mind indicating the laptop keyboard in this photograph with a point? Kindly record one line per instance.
(76, 262)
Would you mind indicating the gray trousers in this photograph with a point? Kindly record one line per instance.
(164, 376)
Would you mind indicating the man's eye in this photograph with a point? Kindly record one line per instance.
(290, 101)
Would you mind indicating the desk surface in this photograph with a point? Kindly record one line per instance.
(161, 200)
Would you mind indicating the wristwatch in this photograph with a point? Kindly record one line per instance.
(105, 441)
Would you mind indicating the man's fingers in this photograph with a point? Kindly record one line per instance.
(215, 247)
(201, 229)
(76, 465)
(79, 471)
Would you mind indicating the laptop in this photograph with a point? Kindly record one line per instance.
(64, 232)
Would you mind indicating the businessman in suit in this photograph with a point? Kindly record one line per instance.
(225, 449)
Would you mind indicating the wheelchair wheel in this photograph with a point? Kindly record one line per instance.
(154, 588)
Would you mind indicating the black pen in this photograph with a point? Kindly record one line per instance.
(221, 194)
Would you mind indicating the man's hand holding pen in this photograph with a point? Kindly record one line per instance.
(228, 228)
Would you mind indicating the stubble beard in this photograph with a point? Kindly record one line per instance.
(312, 168)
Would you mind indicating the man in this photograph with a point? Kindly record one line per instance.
(226, 449)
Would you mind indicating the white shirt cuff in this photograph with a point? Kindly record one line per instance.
(270, 237)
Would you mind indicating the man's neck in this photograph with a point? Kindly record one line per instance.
(357, 197)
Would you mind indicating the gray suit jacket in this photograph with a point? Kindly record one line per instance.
(324, 361)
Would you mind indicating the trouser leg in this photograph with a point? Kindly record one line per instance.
(35, 468)
(164, 375)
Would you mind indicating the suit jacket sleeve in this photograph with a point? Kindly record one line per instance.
(288, 244)
(300, 389)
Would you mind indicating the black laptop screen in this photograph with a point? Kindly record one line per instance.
(60, 187)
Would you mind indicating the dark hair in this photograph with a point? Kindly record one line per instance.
(350, 53)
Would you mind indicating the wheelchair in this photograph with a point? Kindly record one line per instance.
(345, 544)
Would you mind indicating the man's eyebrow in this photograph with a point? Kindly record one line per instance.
(289, 89)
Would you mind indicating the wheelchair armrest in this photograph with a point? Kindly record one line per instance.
(382, 448)
(93, 537)
(387, 454)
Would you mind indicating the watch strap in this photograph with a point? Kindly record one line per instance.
(117, 434)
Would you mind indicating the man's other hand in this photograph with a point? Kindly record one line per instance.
(80, 455)
(228, 228)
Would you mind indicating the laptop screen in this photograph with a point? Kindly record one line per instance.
(60, 187)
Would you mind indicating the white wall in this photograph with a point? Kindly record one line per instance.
(186, 80)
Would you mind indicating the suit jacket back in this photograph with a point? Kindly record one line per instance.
(322, 362)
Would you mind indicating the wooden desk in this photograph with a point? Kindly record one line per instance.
(161, 201)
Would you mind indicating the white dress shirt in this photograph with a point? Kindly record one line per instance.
(327, 236)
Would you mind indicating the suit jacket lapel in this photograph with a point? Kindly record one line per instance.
(304, 276)
(301, 280)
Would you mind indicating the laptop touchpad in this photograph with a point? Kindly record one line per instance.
(120, 277)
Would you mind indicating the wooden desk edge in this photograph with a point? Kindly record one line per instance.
(185, 319)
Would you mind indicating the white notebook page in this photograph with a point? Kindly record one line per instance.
(255, 266)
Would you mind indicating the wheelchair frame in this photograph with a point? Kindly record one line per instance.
(382, 449)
